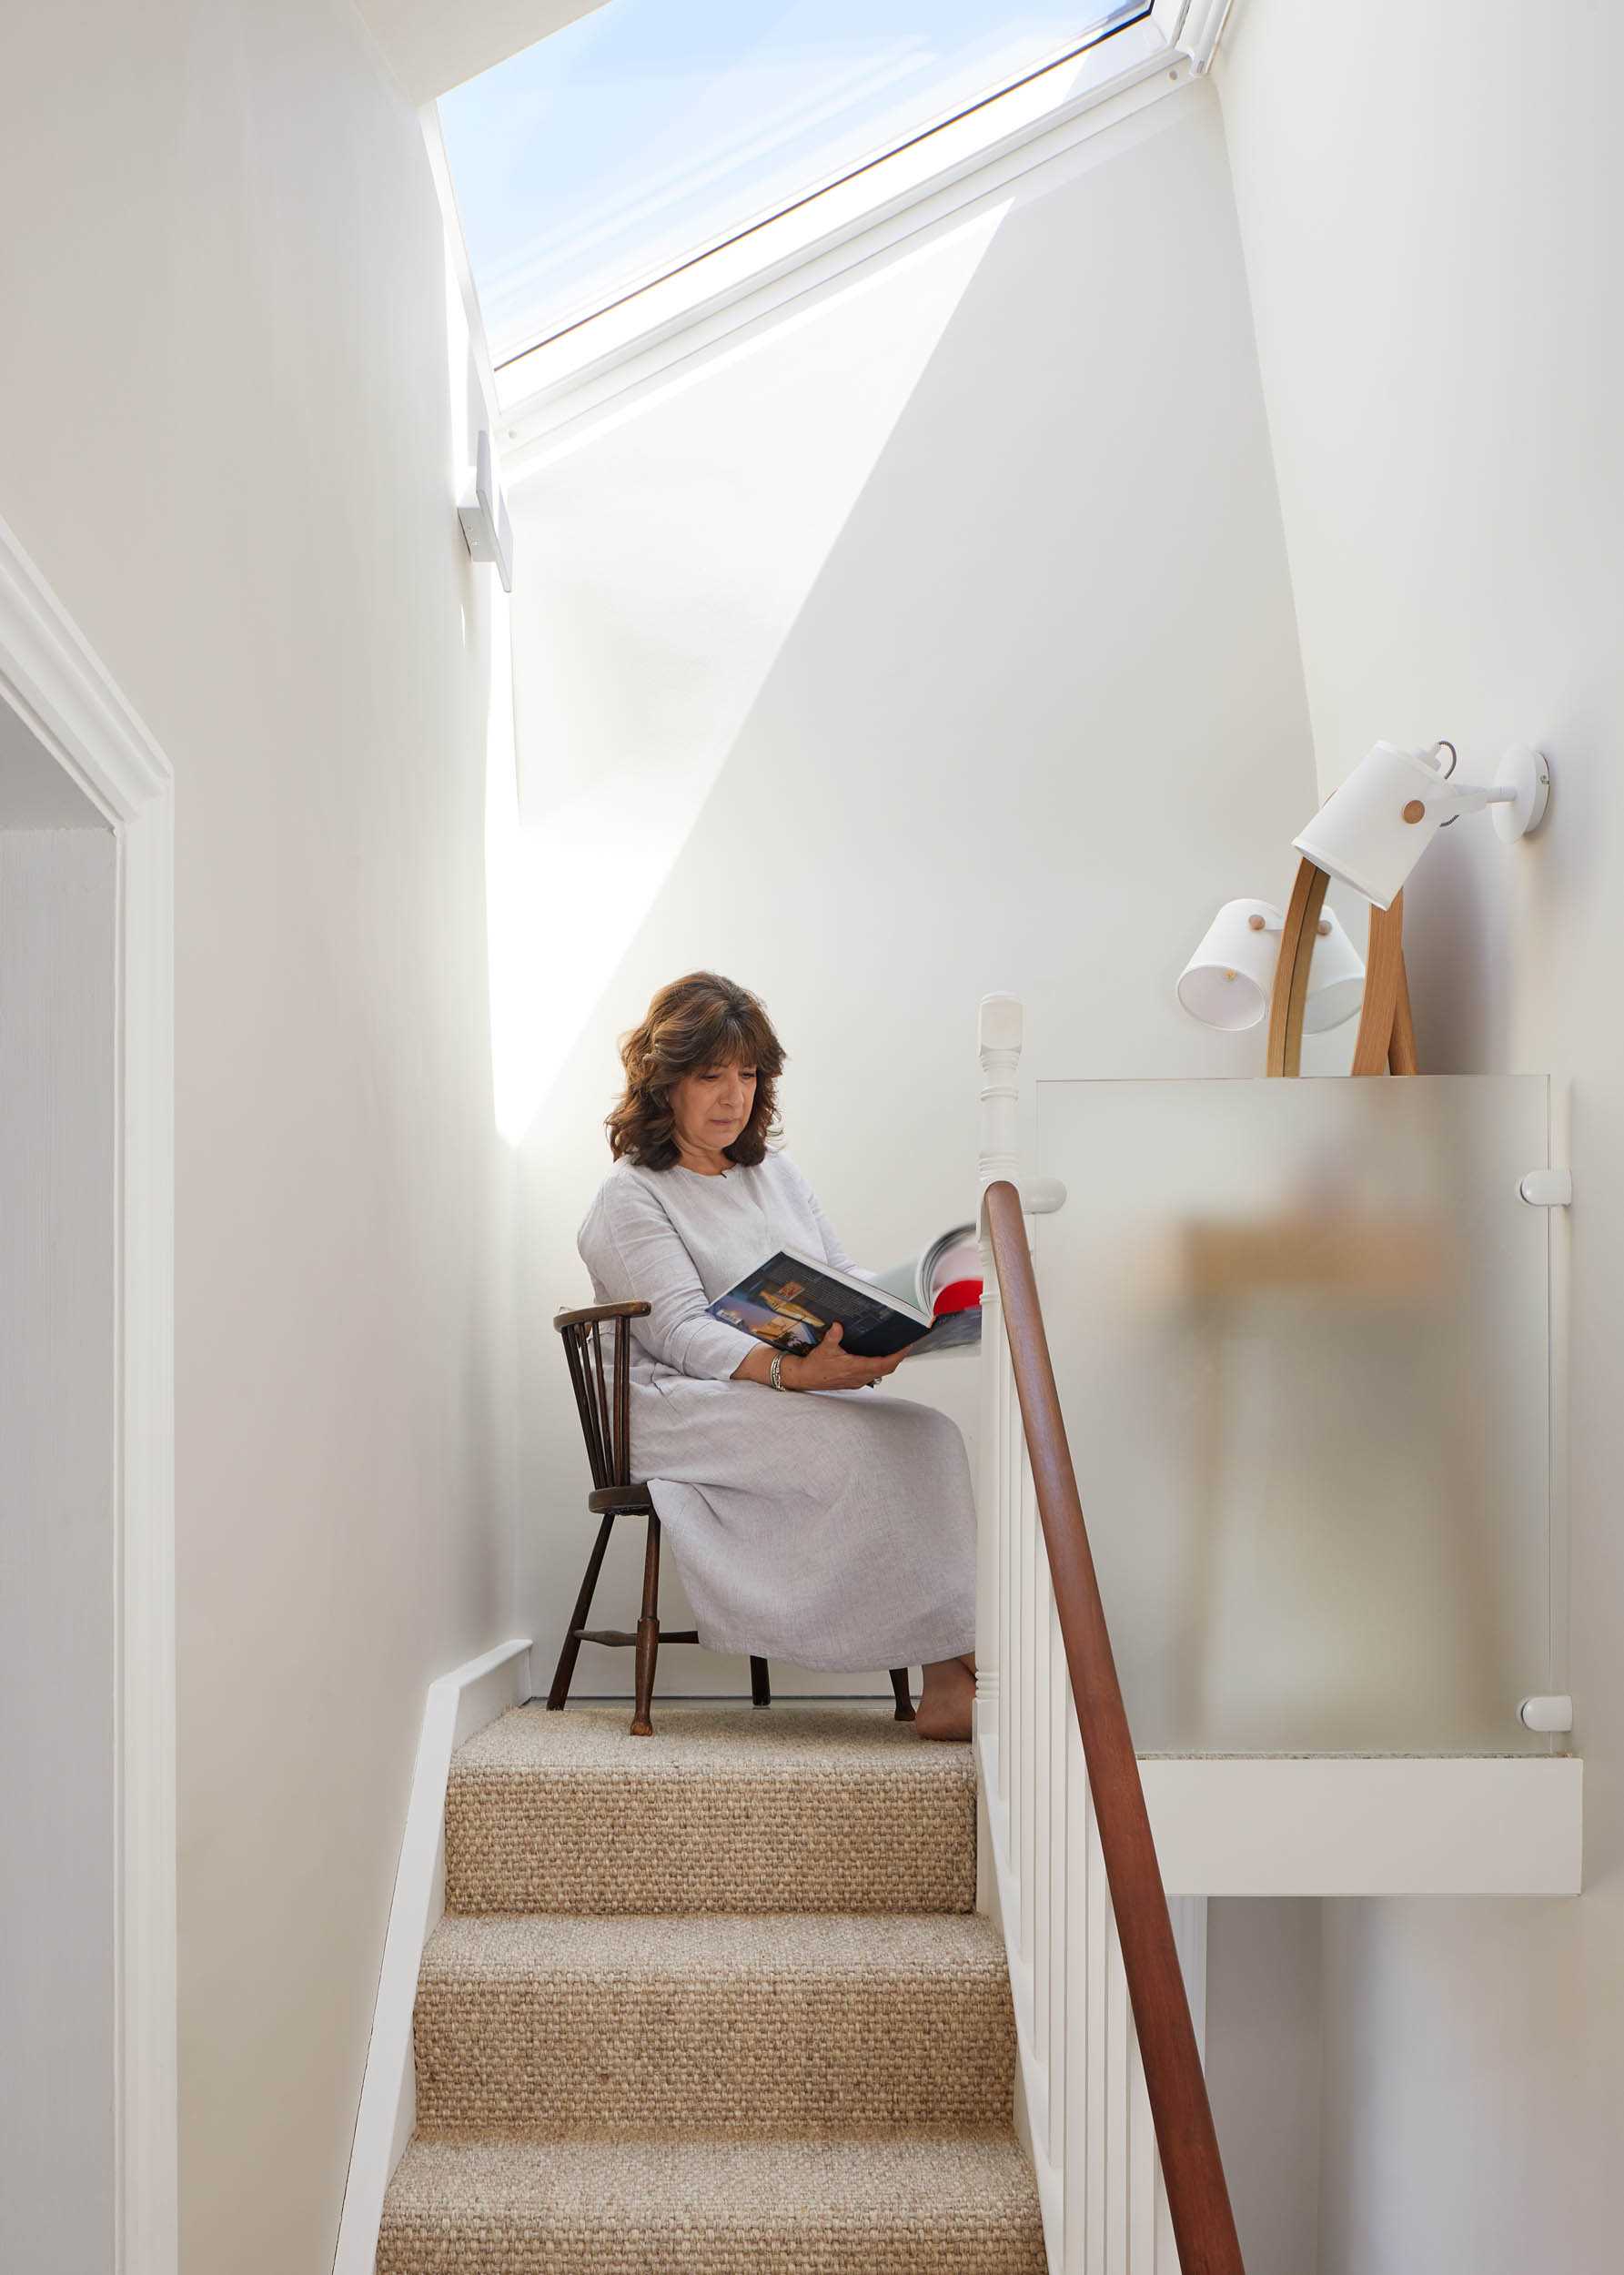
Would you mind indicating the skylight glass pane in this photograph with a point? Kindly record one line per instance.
(647, 132)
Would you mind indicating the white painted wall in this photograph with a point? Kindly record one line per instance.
(939, 640)
(57, 1694)
(225, 437)
(430, 47)
(1264, 2066)
(1429, 202)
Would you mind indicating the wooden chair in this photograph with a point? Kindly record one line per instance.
(606, 1424)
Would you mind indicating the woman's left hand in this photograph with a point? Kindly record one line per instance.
(828, 1366)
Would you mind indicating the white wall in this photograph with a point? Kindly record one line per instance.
(1430, 201)
(57, 1694)
(918, 649)
(225, 435)
(430, 46)
(1264, 2067)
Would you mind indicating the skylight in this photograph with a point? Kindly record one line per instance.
(644, 135)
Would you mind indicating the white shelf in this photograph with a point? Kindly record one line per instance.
(1348, 1825)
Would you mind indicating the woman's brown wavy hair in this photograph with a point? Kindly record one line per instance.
(695, 1023)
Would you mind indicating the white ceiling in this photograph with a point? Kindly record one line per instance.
(433, 44)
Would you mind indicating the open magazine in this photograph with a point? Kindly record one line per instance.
(932, 1302)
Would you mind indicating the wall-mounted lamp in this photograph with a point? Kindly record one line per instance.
(1228, 980)
(1301, 967)
(1372, 831)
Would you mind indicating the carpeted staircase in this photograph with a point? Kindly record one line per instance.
(714, 2002)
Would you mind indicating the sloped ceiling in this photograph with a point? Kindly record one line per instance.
(433, 44)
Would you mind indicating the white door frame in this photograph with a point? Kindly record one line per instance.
(49, 675)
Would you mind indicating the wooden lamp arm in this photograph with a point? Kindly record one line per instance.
(1386, 1037)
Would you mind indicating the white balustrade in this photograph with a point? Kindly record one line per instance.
(1084, 2108)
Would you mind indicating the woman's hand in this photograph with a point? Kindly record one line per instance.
(828, 1366)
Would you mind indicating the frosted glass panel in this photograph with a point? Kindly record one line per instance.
(1301, 1334)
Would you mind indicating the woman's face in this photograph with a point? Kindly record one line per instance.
(711, 1105)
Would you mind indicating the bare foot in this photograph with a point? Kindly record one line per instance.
(945, 1701)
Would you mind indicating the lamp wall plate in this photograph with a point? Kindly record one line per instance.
(486, 529)
(1527, 774)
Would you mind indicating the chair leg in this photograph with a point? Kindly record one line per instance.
(565, 1675)
(904, 1703)
(648, 1635)
(760, 1685)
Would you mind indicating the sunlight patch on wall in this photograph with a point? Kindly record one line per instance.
(720, 500)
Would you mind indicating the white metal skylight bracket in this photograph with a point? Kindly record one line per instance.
(486, 529)
(1202, 29)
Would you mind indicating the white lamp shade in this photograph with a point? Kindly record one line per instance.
(1226, 982)
(1372, 831)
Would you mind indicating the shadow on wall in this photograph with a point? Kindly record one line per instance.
(625, 736)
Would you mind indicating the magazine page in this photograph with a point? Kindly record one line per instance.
(949, 1265)
(790, 1303)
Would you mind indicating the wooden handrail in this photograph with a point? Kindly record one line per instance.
(1198, 2195)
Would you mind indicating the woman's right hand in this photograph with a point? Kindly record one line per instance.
(828, 1366)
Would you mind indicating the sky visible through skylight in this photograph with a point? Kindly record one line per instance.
(610, 153)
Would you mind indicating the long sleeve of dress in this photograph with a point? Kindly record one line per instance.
(645, 1255)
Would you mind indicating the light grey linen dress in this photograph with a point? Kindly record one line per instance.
(834, 1529)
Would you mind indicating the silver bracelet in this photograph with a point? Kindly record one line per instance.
(775, 1371)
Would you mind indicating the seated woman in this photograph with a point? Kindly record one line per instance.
(829, 1527)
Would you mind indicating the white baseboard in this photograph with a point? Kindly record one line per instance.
(458, 1703)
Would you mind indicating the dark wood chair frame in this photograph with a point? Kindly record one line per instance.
(606, 1425)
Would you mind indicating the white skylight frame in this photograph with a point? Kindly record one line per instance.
(539, 388)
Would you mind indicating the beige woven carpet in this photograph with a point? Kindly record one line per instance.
(712, 2002)
(725, 1809)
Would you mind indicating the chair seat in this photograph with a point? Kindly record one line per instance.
(621, 1500)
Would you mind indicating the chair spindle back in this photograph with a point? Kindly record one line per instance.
(602, 1395)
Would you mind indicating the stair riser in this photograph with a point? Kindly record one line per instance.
(774, 2055)
(965, 2247)
(518, 1841)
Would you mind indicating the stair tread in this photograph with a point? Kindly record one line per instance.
(703, 1744)
(510, 1947)
(957, 2193)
